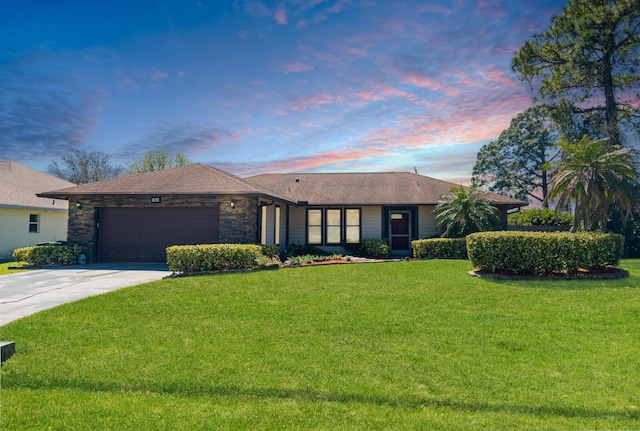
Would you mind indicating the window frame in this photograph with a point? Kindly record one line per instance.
(276, 225)
(339, 226)
(308, 226)
(325, 227)
(34, 223)
(346, 225)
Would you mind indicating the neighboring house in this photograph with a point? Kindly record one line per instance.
(26, 219)
(135, 218)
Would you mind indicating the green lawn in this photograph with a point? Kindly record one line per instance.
(5, 264)
(408, 345)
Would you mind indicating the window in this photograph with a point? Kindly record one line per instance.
(333, 226)
(34, 223)
(277, 226)
(314, 226)
(263, 225)
(352, 229)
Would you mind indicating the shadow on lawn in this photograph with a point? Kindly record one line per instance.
(311, 395)
(632, 281)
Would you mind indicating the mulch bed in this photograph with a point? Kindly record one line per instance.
(598, 274)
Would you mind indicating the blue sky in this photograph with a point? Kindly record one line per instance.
(265, 86)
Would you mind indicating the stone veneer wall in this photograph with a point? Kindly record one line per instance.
(239, 225)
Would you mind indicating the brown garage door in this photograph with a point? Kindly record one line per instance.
(143, 234)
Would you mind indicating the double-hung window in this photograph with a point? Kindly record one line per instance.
(34, 223)
(352, 225)
(314, 226)
(334, 226)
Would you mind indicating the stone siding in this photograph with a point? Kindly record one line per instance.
(239, 225)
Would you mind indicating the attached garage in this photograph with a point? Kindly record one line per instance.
(143, 234)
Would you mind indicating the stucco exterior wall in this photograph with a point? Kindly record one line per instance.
(14, 228)
(237, 225)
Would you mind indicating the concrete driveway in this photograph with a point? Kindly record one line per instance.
(25, 293)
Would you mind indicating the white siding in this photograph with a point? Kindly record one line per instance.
(371, 222)
(268, 219)
(297, 228)
(426, 222)
(14, 228)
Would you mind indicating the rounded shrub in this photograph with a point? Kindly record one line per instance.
(535, 253)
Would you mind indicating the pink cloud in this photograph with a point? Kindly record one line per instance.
(295, 67)
(434, 9)
(281, 16)
(313, 100)
(421, 81)
(356, 51)
(256, 8)
(300, 164)
(158, 75)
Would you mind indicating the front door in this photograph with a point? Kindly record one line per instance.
(400, 232)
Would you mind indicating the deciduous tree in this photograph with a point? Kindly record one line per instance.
(156, 160)
(81, 166)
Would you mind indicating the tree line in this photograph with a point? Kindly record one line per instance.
(80, 166)
(574, 148)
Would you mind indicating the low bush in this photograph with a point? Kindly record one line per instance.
(213, 257)
(535, 253)
(440, 248)
(309, 258)
(305, 250)
(373, 248)
(269, 250)
(48, 254)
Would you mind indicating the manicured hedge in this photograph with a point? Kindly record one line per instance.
(535, 253)
(440, 248)
(212, 257)
(48, 254)
(540, 217)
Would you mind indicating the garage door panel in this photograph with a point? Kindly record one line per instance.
(143, 234)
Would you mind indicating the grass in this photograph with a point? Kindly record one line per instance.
(6, 263)
(406, 345)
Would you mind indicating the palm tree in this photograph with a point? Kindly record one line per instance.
(464, 211)
(591, 176)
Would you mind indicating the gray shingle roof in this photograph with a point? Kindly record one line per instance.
(194, 179)
(20, 184)
(379, 188)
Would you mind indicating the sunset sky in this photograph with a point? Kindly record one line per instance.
(265, 86)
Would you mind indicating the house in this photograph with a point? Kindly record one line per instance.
(26, 219)
(135, 218)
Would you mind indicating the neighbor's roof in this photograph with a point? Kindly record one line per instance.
(20, 184)
(194, 179)
(379, 188)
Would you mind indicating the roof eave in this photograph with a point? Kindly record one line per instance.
(67, 195)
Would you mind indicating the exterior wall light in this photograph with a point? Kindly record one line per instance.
(234, 205)
(79, 205)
